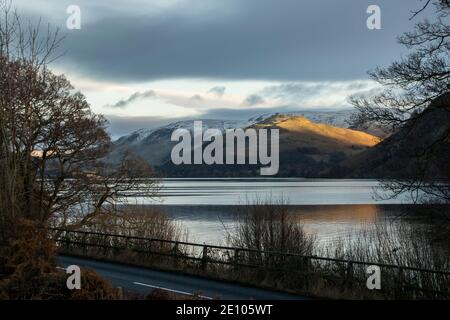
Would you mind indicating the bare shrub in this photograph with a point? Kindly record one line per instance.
(141, 235)
(270, 227)
(400, 244)
(138, 221)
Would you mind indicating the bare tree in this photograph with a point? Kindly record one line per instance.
(415, 90)
(52, 145)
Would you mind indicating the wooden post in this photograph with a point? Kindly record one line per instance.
(84, 244)
(149, 249)
(105, 248)
(401, 282)
(349, 274)
(236, 259)
(175, 253)
(205, 257)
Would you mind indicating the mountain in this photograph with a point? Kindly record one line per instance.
(422, 145)
(154, 145)
(307, 148)
(317, 144)
(301, 134)
(339, 118)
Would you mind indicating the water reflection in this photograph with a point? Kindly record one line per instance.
(210, 224)
(330, 208)
(294, 190)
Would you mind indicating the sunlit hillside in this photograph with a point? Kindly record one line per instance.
(318, 139)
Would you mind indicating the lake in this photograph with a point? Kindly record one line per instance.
(330, 208)
(293, 191)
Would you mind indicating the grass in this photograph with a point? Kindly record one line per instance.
(270, 227)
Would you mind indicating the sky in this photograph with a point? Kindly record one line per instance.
(144, 63)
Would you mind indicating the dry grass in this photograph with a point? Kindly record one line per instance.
(138, 221)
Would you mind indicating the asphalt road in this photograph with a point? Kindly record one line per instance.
(142, 280)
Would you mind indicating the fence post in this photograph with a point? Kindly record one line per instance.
(105, 248)
(205, 257)
(236, 258)
(126, 243)
(349, 274)
(149, 252)
(175, 253)
(84, 244)
(400, 281)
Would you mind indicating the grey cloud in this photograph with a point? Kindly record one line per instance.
(253, 100)
(135, 96)
(291, 92)
(218, 91)
(287, 40)
(197, 97)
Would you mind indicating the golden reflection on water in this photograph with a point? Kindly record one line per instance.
(338, 213)
(330, 223)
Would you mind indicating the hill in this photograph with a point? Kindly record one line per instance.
(423, 144)
(307, 149)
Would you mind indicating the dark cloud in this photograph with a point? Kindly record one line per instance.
(300, 91)
(287, 40)
(135, 96)
(253, 100)
(293, 90)
(218, 91)
(197, 97)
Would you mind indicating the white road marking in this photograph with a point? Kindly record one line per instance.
(170, 290)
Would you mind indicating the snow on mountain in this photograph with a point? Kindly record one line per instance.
(166, 130)
(155, 144)
(338, 118)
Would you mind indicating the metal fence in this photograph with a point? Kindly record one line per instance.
(204, 256)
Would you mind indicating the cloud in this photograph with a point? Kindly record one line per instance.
(123, 125)
(290, 40)
(134, 97)
(253, 100)
(326, 94)
(316, 94)
(180, 98)
(218, 91)
(197, 98)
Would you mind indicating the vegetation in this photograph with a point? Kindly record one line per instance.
(415, 94)
(270, 248)
(138, 221)
(270, 226)
(273, 228)
(51, 160)
(53, 174)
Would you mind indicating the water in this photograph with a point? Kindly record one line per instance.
(328, 208)
(293, 191)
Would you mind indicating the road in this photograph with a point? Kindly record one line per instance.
(143, 280)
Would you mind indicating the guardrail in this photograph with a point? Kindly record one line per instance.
(203, 256)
